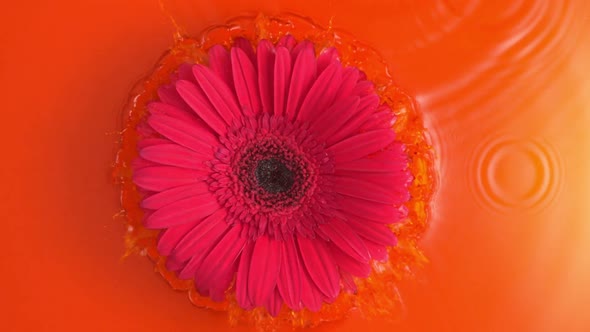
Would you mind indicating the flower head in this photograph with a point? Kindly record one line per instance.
(273, 167)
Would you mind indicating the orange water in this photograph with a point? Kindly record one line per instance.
(504, 90)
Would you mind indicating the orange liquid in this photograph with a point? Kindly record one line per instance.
(504, 92)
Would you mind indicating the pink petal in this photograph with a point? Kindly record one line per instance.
(304, 74)
(380, 192)
(330, 120)
(220, 64)
(195, 246)
(169, 95)
(185, 72)
(380, 119)
(398, 177)
(182, 211)
(196, 100)
(322, 93)
(185, 115)
(378, 251)
(392, 159)
(377, 212)
(374, 232)
(366, 106)
(192, 135)
(138, 163)
(266, 65)
(320, 265)
(275, 302)
(214, 222)
(289, 280)
(218, 268)
(299, 47)
(328, 57)
(349, 79)
(287, 41)
(264, 269)
(344, 237)
(176, 155)
(144, 130)
(158, 178)
(170, 237)
(163, 198)
(369, 210)
(143, 143)
(175, 265)
(245, 45)
(396, 182)
(242, 277)
(369, 103)
(353, 266)
(245, 81)
(361, 145)
(219, 94)
(363, 87)
(311, 297)
(282, 77)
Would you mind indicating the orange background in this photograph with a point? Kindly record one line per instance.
(505, 93)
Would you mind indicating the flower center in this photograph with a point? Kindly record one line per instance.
(268, 174)
(274, 176)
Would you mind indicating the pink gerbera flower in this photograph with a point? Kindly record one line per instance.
(274, 168)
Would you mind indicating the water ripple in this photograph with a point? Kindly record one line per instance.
(510, 175)
(530, 40)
